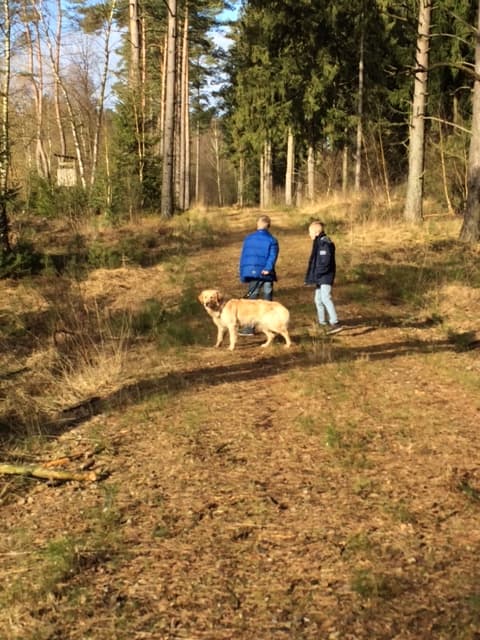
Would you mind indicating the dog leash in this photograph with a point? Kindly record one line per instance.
(251, 292)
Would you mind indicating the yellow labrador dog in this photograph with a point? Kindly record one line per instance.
(269, 317)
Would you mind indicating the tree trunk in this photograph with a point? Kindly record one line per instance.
(289, 169)
(99, 107)
(311, 174)
(413, 211)
(197, 163)
(34, 53)
(262, 179)
(58, 110)
(358, 147)
(470, 231)
(184, 169)
(75, 128)
(267, 175)
(5, 60)
(167, 199)
(345, 169)
(241, 182)
(216, 155)
(134, 34)
(136, 79)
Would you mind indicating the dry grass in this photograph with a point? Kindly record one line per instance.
(330, 491)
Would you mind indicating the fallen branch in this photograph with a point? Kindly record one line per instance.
(46, 474)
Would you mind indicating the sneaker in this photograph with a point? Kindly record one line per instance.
(335, 328)
(246, 331)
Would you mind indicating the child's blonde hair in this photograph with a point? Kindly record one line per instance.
(317, 226)
(263, 222)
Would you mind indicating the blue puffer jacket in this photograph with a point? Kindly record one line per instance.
(321, 264)
(259, 253)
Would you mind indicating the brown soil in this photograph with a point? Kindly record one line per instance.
(330, 491)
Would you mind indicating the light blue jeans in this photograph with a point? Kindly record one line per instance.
(256, 285)
(324, 302)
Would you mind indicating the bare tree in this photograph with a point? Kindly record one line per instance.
(56, 63)
(413, 211)
(53, 47)
(470, 231)
(35, 63)
(100, 103)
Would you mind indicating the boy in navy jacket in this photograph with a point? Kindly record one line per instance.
(321, 272)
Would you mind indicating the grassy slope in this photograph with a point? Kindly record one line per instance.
(330, 491)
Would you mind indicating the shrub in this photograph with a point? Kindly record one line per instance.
(23, 260)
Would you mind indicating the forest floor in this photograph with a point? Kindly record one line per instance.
(330, 491)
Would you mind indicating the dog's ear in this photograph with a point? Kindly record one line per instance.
(219, 297)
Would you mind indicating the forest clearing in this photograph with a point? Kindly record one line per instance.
(330, 491)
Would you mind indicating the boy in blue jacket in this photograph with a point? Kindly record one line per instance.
(257, 263)
(321, 272)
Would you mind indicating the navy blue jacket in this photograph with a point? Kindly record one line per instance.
(321, 264)
(259, 253)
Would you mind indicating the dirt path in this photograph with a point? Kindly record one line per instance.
(330, 491)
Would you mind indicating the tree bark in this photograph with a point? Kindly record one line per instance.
(134, 34)
(413, 211)
(46, 473)
(184, 169)
(58, 110)
(358, 146)
(470, 231)
(167, 199)
(311, 174)
(266, 180)
(74, 125)
(100, 105)
(289, 169)
(344, 169)
(241, 182)
(5, 60)
(216, 155)
(35, 70)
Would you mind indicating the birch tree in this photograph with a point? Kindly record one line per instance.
(53, 48)
(99, 18)
(35, 64)
(5, 61)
